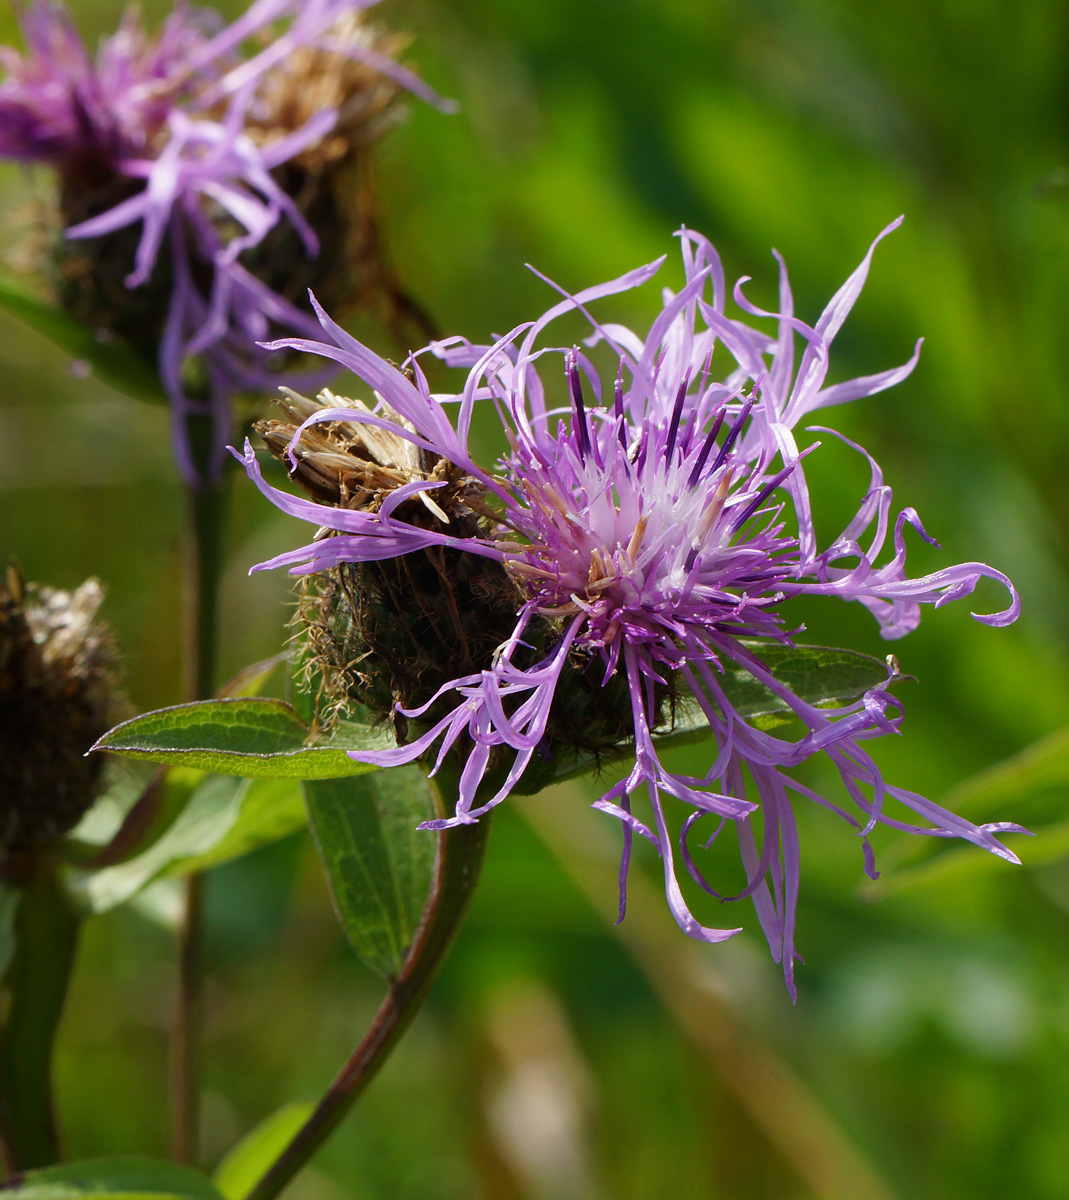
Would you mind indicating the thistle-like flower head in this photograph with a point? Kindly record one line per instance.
(197, 179)
(653, 524)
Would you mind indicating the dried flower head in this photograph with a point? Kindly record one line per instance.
(393, 631)
(57, 672)
(207, 177)
(653, 524)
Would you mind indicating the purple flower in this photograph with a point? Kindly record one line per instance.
(183, 137)
(657, 520)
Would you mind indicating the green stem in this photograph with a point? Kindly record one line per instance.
(31, 1004)
(460, 857)
(206, 520)
(204, 549)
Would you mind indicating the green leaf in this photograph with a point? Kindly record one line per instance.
(206, 819)
(224, 819)
(378, 864)
(162, 799)
(247, 1163)
(9, 904)
(270, 809)
(118, 365)
(126, 1176)
(820, 675)
(255, 738)
(248, 681)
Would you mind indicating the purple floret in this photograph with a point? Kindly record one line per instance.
(170, 114)
(659, 518)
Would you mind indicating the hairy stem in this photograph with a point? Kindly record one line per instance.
(31, 1004)
(460, 857)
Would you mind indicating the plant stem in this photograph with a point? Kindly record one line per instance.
(205, 539)
(31, 1004)
(460, 857)
(185, 1034)
(206, 519)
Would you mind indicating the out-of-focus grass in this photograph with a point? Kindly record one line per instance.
(931, 1025)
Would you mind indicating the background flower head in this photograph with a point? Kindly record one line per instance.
(204, 182)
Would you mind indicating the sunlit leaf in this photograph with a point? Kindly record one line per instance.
(202, 824)
(249, 680)
(269, 810)
(378, 863)
(255, 738)
(246, 1164)
(118, 365)
(99, 1177)
(224, 818)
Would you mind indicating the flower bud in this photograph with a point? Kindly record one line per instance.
(57, 671)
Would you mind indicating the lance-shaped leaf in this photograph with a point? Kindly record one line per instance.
(378, 863)
(118, 365)
(255, 738)
(101, 1177)
(820, 675)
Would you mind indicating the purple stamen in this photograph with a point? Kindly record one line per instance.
(732, 436)
(677, 412)
(710, 442)
(575, 385)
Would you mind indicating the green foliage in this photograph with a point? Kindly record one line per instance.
(378, 863)
(222, 819)
(1029, 788)
(246, 1163)
(128, 1176)
(9, 903)
(820, 675)
(117, 365)
(933, 1023)
(255, 738)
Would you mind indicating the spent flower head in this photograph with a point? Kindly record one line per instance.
(202, 183)
(57, 675)
(645, 535)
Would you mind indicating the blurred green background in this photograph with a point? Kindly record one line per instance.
(928, 1053)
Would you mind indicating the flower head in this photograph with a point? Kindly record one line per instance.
(57, 672)
(197, 181)
(653, 524)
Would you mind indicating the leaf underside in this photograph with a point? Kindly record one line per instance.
(378, 864)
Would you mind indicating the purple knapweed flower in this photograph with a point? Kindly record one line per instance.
(183, 137)
(657, 522)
